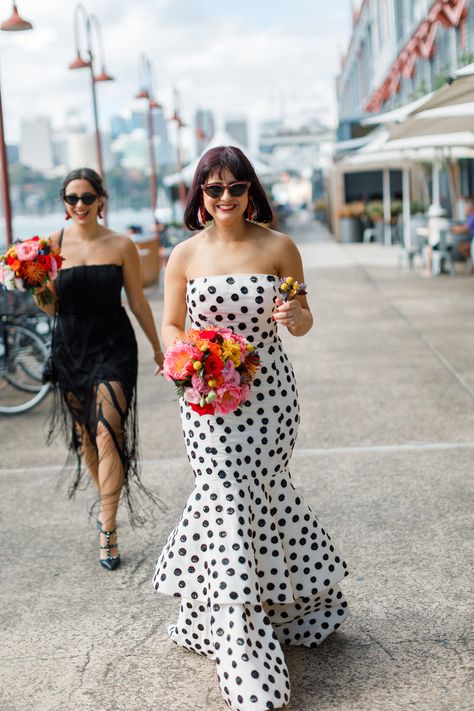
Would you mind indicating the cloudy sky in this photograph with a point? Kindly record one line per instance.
(246, 57)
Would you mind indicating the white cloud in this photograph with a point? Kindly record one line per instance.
(249, 58)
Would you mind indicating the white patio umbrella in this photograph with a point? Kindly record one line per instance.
(459, 89)
(447, 121)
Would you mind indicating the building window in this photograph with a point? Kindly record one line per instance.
(469, 34)
(399, 7)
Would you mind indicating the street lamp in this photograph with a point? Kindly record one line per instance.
(91, 22)
(179, 125)
(14, 24)
(146, 92)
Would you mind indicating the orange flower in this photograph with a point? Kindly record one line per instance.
(15, 265)
(192, 336)
(33, 273)
(215, 349)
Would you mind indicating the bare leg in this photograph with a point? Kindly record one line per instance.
(111, 404)
(88, 449)
(90, 457)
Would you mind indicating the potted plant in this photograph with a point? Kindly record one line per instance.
(374, 211)
(320, 210)
(350, 228)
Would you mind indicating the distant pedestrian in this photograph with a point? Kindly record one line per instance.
(252, 565)
(466, 247)
(95, 352)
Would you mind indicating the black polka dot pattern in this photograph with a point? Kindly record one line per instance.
(253, 566)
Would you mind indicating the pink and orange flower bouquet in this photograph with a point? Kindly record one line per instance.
(29, 265)
(212, 369)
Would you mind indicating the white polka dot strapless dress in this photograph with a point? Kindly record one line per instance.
(253, 567)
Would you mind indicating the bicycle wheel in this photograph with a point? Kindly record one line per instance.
(23, 361)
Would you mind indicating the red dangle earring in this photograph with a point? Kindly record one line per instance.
(202, 214)
(68, 216)
(100, 214)
(249, 213)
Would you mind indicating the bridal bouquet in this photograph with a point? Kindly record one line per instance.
(289, 287)
(29, 265)
(212, 369)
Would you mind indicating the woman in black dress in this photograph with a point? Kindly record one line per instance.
(95, 352)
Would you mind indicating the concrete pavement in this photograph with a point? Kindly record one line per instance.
(384, 455)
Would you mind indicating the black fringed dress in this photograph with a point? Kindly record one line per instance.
(95, 363)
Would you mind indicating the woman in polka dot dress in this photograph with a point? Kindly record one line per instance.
(252, 565)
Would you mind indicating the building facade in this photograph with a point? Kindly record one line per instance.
(36, 144)
(238, 128)
(402, 49)
(204, 126)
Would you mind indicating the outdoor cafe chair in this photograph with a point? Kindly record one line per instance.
(442, 258)
(407, 252)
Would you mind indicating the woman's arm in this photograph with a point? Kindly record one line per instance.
(174, 312)
(295, 314)
(136, 298)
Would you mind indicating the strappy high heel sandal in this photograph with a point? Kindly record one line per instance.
(111, 562)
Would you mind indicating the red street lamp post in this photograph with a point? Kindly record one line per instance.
(14, 24)
(146, 92)
(91, 22)
(179, 125)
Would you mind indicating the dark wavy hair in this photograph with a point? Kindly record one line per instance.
(217, 160)
(85, 174)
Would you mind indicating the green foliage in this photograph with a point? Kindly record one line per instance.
(465, 58)
(417, 207)
(374, 210)
(396, 208)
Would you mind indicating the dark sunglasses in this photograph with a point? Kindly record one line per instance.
(87, 198)
(217, 190)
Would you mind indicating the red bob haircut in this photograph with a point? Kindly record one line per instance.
(217, 160)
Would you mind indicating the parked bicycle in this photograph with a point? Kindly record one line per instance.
(24, 349)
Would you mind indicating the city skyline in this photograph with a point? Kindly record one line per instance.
(210, 56)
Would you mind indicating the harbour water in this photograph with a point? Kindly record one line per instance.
(25, 226)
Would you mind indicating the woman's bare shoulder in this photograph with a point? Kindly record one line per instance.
(118, 241)
(187, 247)
(278, 242)
(55, 237)
(182, 255)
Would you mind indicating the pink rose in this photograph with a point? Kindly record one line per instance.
(231, 376)
(228, 399)
(191, 395)
(26, 250)
(199, 384)
(53, 272)
(178, 363)
(226, 333)
(244, 392)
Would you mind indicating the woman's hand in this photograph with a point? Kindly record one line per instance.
(45, 299)
(158, 358)
(289, 314)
